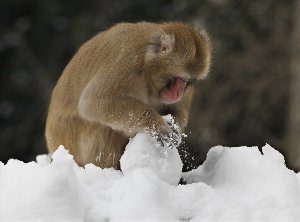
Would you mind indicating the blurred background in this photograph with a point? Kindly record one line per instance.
(251, 97)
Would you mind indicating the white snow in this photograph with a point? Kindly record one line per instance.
(233, 184)
(143, 152)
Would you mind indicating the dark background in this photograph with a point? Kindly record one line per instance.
(250, 98)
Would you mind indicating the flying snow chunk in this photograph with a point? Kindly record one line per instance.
(143, 151)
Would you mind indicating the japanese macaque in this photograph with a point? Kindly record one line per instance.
(121, 82)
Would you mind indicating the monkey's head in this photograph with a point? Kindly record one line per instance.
(176, 57)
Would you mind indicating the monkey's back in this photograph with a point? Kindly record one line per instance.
(99, 55)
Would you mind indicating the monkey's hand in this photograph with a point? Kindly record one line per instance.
(171, 136)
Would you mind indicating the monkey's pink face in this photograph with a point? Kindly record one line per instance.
(169, 89)
(169, 80)
(174, 90)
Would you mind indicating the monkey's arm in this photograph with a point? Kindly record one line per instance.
(120, 112)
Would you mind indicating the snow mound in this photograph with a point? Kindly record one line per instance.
(233, 184)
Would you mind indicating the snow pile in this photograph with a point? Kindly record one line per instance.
(233, 184)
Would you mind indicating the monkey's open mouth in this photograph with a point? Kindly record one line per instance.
(174, 90)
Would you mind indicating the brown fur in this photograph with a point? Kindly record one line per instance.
(110, 90)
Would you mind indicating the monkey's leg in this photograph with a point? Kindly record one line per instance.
(63, 130)
(102, 146)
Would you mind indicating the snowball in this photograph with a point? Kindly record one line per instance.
(143, 151)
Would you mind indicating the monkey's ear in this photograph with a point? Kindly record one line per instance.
(161, 44)
(166, 43)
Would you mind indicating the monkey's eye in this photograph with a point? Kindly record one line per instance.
(170, 82)
(191, 81)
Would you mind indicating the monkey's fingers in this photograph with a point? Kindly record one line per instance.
(173, 126)
(176, 139)
(170, 141)
(159, 141)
